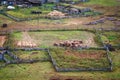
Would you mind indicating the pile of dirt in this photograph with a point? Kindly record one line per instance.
(56, 14)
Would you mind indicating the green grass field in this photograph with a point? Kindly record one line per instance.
(111, 37)
(103, 2)
(31, 54)
(48, 38)
(80, 59)
(26, 12)
(45, 70)
(4, 19)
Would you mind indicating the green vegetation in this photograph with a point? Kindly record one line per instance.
(80, 59)
(26, 12)
(111, 37)
(10, 41)
(45, 70)
(16, 35)
(36, 71)
(8, 57)
(103, 2)
(48, 38)
(4, 19)
(92, 13)
(11, 38)
(1, 62)
(31, 54)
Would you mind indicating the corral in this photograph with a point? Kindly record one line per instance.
(47, 39)
(80, 60)
(94, 62)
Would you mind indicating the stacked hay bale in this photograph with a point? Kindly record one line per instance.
(26, 44)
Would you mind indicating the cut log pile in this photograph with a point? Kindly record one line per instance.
(56, 14)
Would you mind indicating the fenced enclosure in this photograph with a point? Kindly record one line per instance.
(64, 59)
(23, 55)
(68, 60)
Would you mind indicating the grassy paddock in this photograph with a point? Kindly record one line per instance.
(45, 70)
(48, 38)
(31, 54)
(80, 59)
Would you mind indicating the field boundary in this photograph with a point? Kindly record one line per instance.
(82, 69)
(110, 68)
(17, 60)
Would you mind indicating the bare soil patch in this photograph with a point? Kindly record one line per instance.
(2, 40)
